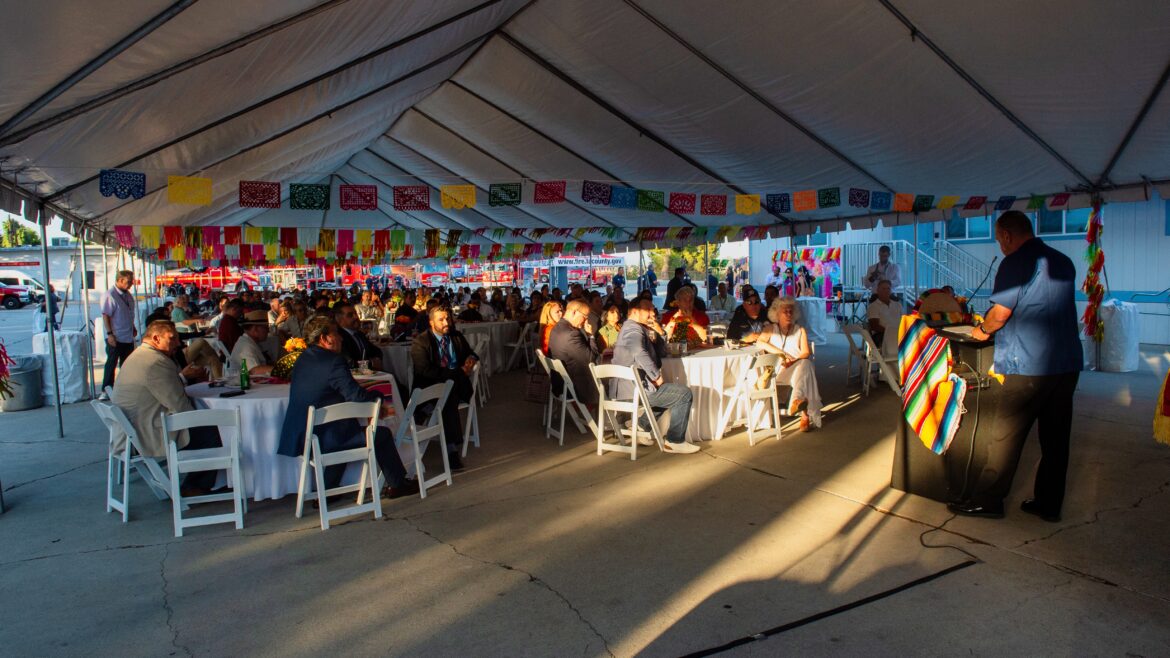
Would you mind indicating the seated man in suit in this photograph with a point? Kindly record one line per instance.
(641, 342)
(569, 343)
(441, 353)
(354, 344)
(320, 378)
(151, 383)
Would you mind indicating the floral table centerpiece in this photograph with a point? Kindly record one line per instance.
(284, 366)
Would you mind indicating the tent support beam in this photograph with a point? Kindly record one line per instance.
(581, 89)
(1133, 128)
(341, 69)
(807, 132)
(485, 192)
(43, 220)
(93, 65)
(552, 141)
(521, 174)
(171, 71)
(917, 34)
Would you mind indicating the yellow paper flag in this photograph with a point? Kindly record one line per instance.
(747, 204)
(189, 190)
(947, 202)
(458, 196)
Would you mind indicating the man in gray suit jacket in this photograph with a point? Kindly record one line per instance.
(149, 384)
(641, 343)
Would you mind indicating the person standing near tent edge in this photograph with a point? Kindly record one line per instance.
(118, 316)
(1038, 351)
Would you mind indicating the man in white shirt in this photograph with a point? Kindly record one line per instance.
(118, 315)
(777, 278)
(722, 301)
(884, 315)
(883, 270)
(247, 348)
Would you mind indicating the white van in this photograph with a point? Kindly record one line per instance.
(36, 289)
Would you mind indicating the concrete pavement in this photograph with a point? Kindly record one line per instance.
(543, 550)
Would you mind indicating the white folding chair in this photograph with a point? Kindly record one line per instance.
(856, 351)
(313, 456)
(226, 457)
(747, 391)
(481, 345)
(471, 425)
(546, 417)
(888, 366)
(523, 345)
(569, 402)
(609, 410)
(420, 436)
(125, 451)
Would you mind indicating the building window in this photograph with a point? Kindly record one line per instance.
(979, 227)
(956, 227)
(1049, 222)
(1076, 220)
(817, 239)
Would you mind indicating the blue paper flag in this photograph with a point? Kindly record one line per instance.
(122, 184)
(623, 197)
(880, 200)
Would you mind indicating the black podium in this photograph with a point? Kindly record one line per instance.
(944, 477)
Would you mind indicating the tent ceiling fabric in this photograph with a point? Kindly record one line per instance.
(678, 95)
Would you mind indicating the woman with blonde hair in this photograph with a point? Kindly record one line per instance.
(550, 314)
(784, 336)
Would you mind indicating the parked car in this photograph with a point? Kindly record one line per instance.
(18, 279)
(13, 297)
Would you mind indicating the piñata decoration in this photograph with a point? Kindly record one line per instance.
(1092, 286)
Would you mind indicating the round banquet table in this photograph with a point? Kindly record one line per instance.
(708, 373)
(262, 408)
(815, 318)
(499, 334)
(396, 361)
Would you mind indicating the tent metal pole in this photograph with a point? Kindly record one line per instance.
(707, 268)
(915, 256)
(88, 328)
(49, 323)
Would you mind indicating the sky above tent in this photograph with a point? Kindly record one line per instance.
(676, 96)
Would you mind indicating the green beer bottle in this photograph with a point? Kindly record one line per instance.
(245, 379)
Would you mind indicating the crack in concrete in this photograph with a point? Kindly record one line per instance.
(1097, 516)
(532, 578)
(46, 477)
(162, 572)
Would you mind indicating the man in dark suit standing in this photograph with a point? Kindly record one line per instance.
(354, 344)
(320, 378)
(441, 354)
(569, 343)
(680, 279)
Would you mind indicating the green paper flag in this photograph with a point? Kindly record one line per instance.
(308, 197)
(1036, 202)
(270, 234)
(504, 194)
(651, 200)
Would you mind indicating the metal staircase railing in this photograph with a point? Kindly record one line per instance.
(953, 267)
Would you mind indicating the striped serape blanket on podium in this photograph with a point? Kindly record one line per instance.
(932, 395)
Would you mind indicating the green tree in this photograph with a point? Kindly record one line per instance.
(691, 257)
(28, 238)
(11, 235)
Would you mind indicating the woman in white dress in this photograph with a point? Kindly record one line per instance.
(785, 337)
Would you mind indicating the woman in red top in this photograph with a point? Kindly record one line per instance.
(697, 321)
(550, 315)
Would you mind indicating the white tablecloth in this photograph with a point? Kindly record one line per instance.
(396, 361)
(815, 319)
(72, 359)
(499, 333)
(708, 374)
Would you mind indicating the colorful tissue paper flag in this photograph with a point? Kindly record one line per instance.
(504, 194)
(829, 197)
(903, 202)
(288, 237)
(412, 197)
(1036, 202)
(192, 237)
(804, 200)
(682, 202)
(345, 241)
(122, 184)
(149, 237)
(358, 197)
(1059, 200)
(596, 193)
(948, 202)
(1005, 202)
(210, 235)
(651, 200)
(453, 236)
(125, 236)
(270, 235)
(778, 203)
(747, 204)
(259, 194)
(923, 202)
(975, 203)
(551, 191)
(232, 234)
(306, 196)
(713, 204)
(858, 198)
(623, 197)
(932, 396)
(326, 241)
(881, 201)
(189, 190)
(457, 197)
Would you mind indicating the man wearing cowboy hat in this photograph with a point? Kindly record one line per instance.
(248, 349)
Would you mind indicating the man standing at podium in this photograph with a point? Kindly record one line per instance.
(1037, 349)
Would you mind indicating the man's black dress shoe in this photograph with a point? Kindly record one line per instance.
(984, 510)
(455, 461)
(408, 489)
(1032, 506)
